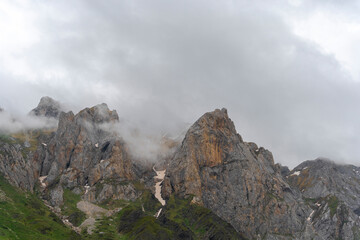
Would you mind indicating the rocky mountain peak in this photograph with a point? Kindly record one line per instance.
(99, 114)
(327, 187)
(217, 120)
(212, 167)
(317, 163)
(235, 179)
(322, 177)
(84, 150)
(47, 107)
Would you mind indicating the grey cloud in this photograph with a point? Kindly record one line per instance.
(15, 123)
(161, 64)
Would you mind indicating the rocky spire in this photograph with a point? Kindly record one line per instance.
(85, 150)
(236, 180)
(47, 107)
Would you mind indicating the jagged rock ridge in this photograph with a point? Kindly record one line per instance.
(83, 152)
(47, 107)
(214, 167)
(235, 179)
(333, 192)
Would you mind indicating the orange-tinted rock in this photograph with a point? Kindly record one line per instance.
(236, 180)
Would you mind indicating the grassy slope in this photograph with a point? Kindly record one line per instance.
(24, 216)
(30, 136)
(76, 217)
(179, 220)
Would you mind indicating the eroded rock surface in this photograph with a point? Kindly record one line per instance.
(236, 180)
(85, 155)
(83, 151)
(333, 192)
(15, 165)
(213, 166)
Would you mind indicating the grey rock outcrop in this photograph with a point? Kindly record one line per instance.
(15, 164)
(84, 152)
(56, 196)
(236, 180)
(322, 177)
(47, 107)
(112, 191)
(333, 192)
(213, 166)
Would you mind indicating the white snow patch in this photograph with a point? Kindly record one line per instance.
(160, 176)
(97, 145)
(87, 187)
(297, 173)
(158, 213)
(309, 218)
(41, 179)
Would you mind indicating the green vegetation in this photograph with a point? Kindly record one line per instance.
(310, 200)
(333, 203)
(112, 204)
(105, 229)
(31, 137)
(179, 220)
(6, 139)
(24, 216)
(202, 223)
(69, 208)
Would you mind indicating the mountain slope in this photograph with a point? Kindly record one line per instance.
(236, 180)
(216, 186)
(24, 216)
(333, 192)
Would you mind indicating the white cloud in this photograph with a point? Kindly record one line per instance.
(15, 123)
(163, 63)
(334, 30)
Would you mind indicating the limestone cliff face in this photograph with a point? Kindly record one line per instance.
(16, 153)
(15, 165)
(322, 177)
(213, 166)
(236, 180)
(84, 152)
(333, 192)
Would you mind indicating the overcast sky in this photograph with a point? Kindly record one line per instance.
(287, 71)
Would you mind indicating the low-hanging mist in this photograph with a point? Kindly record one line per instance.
(145, 145)
(10, 123)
